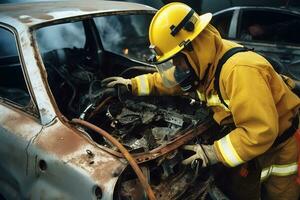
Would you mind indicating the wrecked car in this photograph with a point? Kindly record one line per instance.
(270, 31)
(62, 135)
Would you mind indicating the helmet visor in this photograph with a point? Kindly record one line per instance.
(175, 70)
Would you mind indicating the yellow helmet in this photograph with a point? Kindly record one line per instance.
(173, 27)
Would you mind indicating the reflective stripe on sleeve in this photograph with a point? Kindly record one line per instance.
(228, 152)
(279, 170)
(214, 100)
(142, 85)
(201, 96)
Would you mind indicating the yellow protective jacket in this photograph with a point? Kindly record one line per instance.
(260, 103)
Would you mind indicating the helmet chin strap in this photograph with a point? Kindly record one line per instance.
(192, 81)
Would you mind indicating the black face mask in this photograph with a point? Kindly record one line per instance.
(191, 81)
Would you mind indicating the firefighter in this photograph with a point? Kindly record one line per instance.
(186, 51)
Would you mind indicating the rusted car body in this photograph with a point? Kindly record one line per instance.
(41, 156)
(44, 85)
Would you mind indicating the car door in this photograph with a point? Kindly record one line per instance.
(19, 121)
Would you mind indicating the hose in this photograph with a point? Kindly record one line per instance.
(124, 151)
(99, 107)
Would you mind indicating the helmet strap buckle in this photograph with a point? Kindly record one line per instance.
(187, 45)
(183, 24)
(189, 26)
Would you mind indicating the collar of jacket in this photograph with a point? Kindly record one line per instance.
(208, 48)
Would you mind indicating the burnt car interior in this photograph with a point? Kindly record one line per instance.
(75, 69)
(78, 55)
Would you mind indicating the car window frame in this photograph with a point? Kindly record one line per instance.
(232, 31)
(31, 108)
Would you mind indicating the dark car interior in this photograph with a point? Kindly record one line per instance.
(12, 84)
(12, 81)
(270, 26)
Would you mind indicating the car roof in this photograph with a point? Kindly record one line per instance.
(34, 13)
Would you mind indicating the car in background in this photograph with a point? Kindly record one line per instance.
(274, 32)
(53, 56)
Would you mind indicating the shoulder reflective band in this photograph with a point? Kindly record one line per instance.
(176, 29)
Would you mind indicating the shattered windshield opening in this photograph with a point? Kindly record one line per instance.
(71, 60)
(126, 35)
(77, 58)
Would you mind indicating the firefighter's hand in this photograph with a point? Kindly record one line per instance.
(205, 153)
(116, 81)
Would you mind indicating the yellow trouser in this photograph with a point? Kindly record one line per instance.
(271, 176)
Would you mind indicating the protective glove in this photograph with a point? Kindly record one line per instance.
(205, 153)
(114, 81)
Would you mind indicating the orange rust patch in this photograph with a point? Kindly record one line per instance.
(26, 20)
(106, 171)
(60, 140)
(43, 16)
